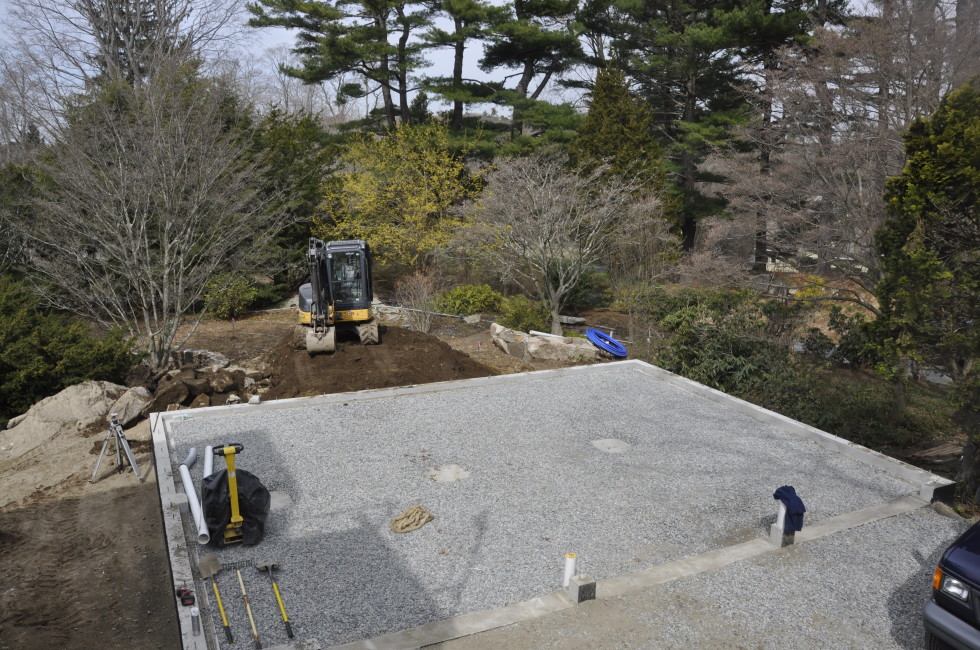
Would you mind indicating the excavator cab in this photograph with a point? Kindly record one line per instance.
(339, 294)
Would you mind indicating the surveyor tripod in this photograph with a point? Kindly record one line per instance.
(116, 434)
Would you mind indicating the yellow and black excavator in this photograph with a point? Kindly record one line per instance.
(339, 294)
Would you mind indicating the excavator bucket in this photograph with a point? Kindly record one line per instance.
(322, 341)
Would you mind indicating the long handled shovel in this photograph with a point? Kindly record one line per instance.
(210, 566)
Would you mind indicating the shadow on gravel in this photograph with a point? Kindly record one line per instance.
(905, 603)
(369, 591)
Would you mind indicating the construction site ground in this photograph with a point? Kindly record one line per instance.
(85, 564)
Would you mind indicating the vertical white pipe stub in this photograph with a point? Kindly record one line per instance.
(570, 561)
(781, 517)
(208, 461)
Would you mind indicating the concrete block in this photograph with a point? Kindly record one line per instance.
(779, 538)
(580, 589)
(179, 501)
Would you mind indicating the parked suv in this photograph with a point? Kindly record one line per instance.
(952, 615)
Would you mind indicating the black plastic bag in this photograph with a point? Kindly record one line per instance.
(253, 505)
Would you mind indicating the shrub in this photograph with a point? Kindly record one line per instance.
(734, 341)
(522, 313)
(592, 290)
(43, 352)
(469, 299)
(228, 295)
(418, 292)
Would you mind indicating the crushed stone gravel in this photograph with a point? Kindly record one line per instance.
(695, 476)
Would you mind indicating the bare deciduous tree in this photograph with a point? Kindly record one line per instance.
(19, 89)
(292, 96)
(418, 293)
(149, 194)
(840, 107)
(71, 43)
(545, 225)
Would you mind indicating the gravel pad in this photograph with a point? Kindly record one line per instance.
(692, 476)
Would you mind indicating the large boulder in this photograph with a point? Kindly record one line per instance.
(197, 385)
(201, 401)
(222, 381)
(510, 341)
(140, 432)
(562, 348)
(171, 391)
(129, 407)
(74, 409)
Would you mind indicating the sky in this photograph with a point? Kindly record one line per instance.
(260, 40)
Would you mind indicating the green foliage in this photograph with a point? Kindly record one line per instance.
(930, 243)
(43, 352)
(521, 313)
(726, 340)
(592, 290)
(341, 38)
(469, 299)
(418, 110)
(398, 193)
(618, 130)
(229, 295)
(739, 342)
(929, 248)
(295, 156)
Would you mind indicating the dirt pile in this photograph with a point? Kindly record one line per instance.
(404, 357)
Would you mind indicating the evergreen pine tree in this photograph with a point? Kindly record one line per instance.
(618, 130)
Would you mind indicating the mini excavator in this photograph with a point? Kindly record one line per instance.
(339, 294)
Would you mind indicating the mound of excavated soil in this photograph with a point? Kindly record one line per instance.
(403, 357)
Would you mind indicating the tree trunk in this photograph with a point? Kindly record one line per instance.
(456, 122)
(517, 121)
(688, 170)
(967, 477)
(555, 321)
(760, 257)
(402, 73)
(385, 79)
(898, 400)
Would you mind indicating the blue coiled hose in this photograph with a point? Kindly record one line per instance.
(605, 342)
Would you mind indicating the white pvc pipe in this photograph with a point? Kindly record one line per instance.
(570, 561)
(191, 458)
(208, 461)
(203, 537)
(781, 517)
(537, 333)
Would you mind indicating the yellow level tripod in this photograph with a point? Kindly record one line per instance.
(233, 531)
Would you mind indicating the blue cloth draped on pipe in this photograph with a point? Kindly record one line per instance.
(794, 508)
